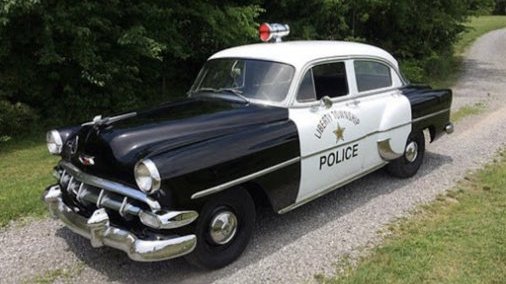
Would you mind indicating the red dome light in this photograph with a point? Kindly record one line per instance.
(265, 32)
(274, 32)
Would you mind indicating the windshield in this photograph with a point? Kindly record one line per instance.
(245, 78)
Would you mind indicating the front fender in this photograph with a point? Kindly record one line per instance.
(207, 164)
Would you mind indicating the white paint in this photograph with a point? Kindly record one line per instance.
(380, 112)
(299, 53)
(374, 117)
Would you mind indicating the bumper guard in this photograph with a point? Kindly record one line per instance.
(98, 229)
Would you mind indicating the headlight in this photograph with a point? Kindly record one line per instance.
(54, 142)
(147, 176)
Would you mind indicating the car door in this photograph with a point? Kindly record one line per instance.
(387, 113)
(351, 120)
(331, 129)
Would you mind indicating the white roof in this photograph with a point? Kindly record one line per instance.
(298, 53)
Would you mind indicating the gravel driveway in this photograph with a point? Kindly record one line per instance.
(311, 239)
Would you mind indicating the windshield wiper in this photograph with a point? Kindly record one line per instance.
(233, 91)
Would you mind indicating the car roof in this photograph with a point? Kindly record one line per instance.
(299, 53)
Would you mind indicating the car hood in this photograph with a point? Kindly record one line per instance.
(117, 146)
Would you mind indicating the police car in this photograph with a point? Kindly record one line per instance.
(279, 122)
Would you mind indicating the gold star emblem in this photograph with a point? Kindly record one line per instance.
(339, 132)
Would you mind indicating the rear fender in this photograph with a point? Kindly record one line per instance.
(394, 128)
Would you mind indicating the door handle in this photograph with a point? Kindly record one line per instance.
(353, 103)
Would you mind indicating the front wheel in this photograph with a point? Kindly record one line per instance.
(408, 164)
(223, 229)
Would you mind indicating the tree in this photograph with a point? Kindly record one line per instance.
(68, 60)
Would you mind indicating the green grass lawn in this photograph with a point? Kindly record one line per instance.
(459, 238)
(26, 168)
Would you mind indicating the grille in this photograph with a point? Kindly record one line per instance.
(87, 198)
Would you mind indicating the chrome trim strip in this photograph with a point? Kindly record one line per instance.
(355, 140)
(110, 186)
(100, 232)
(431, 115)
(80, 192)
(243, 179)
(62, 176)
(122, 207)
(329, 189)
(376, 132)
(69, 184)
(385, 150)
(99, 199)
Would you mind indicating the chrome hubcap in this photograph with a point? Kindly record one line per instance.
(411, 151)
(223, 227)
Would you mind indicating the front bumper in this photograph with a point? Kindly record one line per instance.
(98, 229)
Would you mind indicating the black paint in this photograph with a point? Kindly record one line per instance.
(196, 144)
(426, 101)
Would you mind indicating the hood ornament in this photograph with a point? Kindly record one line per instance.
(98, 120)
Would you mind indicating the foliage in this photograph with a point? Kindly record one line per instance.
(500, 7)
(70, 60)
(14, 117)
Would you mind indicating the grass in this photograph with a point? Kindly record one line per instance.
(466, 111)
(61, 274)
(26, 169)
(476, 27)
(459, 238)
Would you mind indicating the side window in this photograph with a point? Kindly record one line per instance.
(372, 75)
(306, 90)
(323, 80)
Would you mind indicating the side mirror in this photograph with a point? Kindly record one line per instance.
(326, 102)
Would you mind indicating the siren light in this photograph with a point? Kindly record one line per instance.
(273, 32)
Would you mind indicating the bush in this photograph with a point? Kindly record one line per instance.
(14, 118)
(69, 60)
(500, 7)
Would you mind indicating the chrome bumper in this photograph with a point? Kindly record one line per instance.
(98, 229)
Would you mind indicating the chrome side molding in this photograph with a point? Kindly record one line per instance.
(243, 179)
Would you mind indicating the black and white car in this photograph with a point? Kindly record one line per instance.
(282, 123)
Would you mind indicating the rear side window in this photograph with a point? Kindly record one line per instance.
(323, 80)
(372, 75)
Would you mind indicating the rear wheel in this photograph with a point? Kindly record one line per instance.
(408, 164)
(223, 229)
